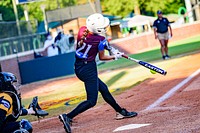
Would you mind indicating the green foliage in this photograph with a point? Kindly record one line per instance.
(147, 7)
(5, 3)
(118, 7)
(167, 6)
(6, 9)
(34, 8)
(7, 13)
(173, 5)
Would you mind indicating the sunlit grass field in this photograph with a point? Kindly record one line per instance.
(119, 75)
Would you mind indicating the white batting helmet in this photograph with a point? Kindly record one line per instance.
(97, 23)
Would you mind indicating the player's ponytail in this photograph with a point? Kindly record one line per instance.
(85, 33)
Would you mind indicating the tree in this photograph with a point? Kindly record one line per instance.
(6, 8)
(147, 7)
(167, 6)
(34, 8)
(118, 7)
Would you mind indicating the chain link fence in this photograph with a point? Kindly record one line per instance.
(20, 44)
(10, 29)
(11, 42)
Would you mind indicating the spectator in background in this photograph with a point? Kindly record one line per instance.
(65, 42)
(59, 35)
(57, 40)
(50, 46)
(161, 32)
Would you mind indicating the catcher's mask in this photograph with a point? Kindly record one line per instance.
(8, 82)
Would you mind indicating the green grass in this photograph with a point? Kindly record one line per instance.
(116, 80)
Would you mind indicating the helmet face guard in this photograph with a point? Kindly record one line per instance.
(8, 82)
(97, 23)
(103, 30)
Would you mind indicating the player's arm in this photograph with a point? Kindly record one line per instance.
(170, 28)
(102, 56)
(102, 46)
(155, 30)
(155, 33)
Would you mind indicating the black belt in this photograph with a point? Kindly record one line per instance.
(81, 62)
(163, 32)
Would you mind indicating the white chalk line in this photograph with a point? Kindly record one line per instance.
(172, 91)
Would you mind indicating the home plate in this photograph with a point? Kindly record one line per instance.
(130, 126)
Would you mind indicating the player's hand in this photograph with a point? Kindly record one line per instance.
(113, 51)
(118, 55)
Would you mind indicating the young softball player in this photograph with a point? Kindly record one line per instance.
(90, 42)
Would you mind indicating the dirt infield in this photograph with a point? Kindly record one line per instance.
(178, 112)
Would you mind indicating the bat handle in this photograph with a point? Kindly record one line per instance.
(125, 56)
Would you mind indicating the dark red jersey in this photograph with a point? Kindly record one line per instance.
(93, 43)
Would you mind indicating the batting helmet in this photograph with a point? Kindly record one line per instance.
(97, 23)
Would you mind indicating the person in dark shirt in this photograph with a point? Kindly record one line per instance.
(161, 32)
(90, 42)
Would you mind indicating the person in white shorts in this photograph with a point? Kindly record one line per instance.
(161, 33)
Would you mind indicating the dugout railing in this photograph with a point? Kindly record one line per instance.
(13, 45)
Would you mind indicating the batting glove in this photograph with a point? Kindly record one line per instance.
(118, 55)
(113, 51)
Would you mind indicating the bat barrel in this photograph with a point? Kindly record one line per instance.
(152, 67)
(147, 65)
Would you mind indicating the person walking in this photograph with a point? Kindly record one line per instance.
(161, 25)
(90, 42)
